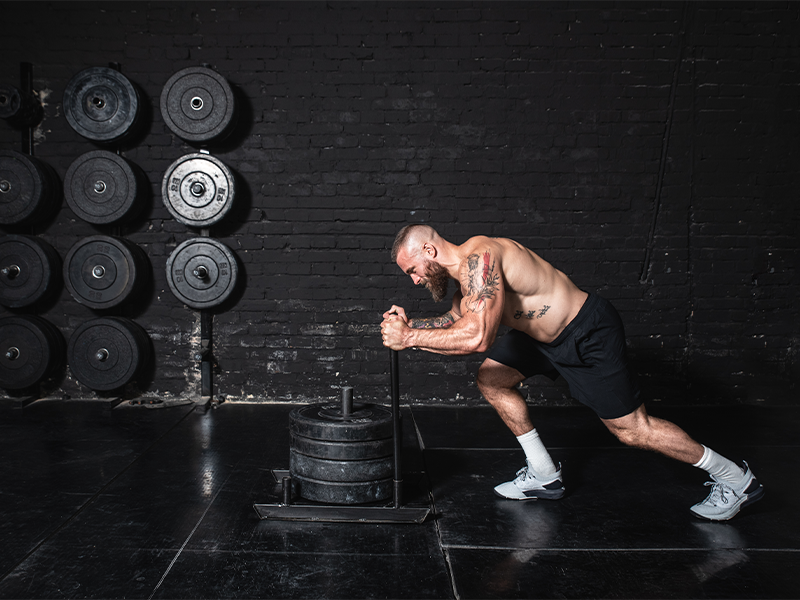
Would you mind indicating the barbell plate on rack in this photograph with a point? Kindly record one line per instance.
(101, 104)
(18, 108)
(351, 471)
(102, 188)
(29, 270)
(27, 189)
(198, 105)
(333, 492)
(30, 349)
(104, 271)
(198, 190)
(107, 353)
(202, 272)
(318, 421)
(341, 450)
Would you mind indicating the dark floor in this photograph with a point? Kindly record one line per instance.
(135, 502)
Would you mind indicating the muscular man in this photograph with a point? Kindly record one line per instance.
(556, 329)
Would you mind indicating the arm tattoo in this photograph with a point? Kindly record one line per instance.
(442, 322)
(482, 281)
(532, 314)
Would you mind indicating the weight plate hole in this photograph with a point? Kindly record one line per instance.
(99, 187)
(11, 271)
(197, 103)
(12, 353)
(101, 355)
(5, 186)
(98, 102)
(98, 271)
(198, 189)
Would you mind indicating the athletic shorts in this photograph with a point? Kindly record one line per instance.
(589, 354)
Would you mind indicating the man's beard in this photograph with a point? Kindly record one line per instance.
(438, 280)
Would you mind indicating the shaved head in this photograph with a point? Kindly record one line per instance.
(412, 238)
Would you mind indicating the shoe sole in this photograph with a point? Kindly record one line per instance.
(537, 495)
(752, 497)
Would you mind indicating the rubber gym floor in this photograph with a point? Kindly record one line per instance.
(105, 500)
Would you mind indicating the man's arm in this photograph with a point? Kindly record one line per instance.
(481, 310)
(442, 322)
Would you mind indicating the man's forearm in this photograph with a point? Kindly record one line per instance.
(461, 338)
(441, 322)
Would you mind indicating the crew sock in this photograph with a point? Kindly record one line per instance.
(721, 468)
(537, 454)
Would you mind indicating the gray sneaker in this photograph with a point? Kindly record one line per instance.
(530, 486)
(725, 501)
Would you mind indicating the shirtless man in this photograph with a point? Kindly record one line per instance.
(556, 329)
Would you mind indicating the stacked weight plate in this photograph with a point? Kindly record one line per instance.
(29, 189)
(105, 271)
(341, 454)
(18, 108)
(31, 348)
(103, 188)
(198, 105)
(102, 105)
(107, 353)
(30, 270)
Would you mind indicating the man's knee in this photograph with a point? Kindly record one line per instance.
(493, 375)
(632, 429)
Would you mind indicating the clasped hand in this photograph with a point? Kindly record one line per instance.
(394, 327)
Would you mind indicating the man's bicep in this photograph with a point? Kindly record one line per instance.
(483, 283)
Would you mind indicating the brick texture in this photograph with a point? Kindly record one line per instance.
(649, 150)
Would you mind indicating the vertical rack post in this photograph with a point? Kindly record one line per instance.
(26, 87)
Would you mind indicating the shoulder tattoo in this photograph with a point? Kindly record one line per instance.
(482, 281)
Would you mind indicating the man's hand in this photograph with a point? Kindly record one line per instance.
(398, 311)
(393, 330)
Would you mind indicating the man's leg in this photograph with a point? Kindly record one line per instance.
(498, 384)
(541, 478)
(641, 430)
(733, 486)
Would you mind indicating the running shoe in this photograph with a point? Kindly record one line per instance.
(530, 486)
(724, 500)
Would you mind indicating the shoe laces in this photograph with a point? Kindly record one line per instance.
(719, 492)
(523, 474)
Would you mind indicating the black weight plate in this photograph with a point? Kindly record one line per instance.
(107, 353)
(198, 189)
(342, 450)
(102, 188)
(373, 423)
(30, 348)
(202, 272)
(331, 492)
(101, 104)
(198, 105)
(104, 271)
(10, 102)
(26, 188)
(29, 270)
(18, 108)
(323, 469)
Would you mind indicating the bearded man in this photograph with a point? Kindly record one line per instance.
(557, 329)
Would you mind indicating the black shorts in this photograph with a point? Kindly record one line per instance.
(589, 354)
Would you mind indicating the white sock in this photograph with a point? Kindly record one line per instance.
(537, 454)
(720, 467)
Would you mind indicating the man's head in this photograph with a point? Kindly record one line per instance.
(415, 250)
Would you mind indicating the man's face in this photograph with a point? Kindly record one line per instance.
(425, 272)
(437, 280)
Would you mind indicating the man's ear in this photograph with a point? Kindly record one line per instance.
(429, 250)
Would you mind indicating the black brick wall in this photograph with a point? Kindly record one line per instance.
(649, 150)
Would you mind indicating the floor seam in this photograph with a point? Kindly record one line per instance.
(92, 498)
